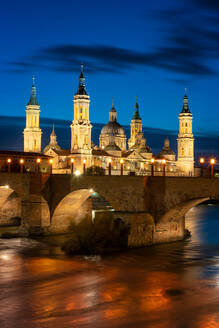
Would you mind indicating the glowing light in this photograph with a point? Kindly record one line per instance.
(5, 257)
(102, 147)
(38, 160)
(152, 161)
(110, 161)
(6, 187)
(84, 161)
(77, 173)
(72, 160)
(202, 160)
(91, 191)
(21, 161)
(163, 161)
(212, 161)
(121, 161)
(9, 160)
(51, 161)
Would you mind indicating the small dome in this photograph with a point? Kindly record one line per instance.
(112, 146)
(113, 109)
(113, 128)
(166, 148)
(166, 143)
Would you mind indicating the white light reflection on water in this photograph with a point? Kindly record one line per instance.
(173, 285)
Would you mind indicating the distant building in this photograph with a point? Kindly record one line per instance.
(32, 131)
(112, 149)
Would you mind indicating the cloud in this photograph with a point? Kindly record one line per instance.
(98, 59)
(209, 4)
(187, 43)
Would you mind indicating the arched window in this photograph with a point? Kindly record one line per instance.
(182, 151)
(81, 114)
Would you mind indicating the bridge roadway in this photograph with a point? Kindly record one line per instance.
(154, 206)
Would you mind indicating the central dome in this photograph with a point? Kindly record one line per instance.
(113, 128)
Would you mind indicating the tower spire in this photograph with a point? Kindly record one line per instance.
(33, 99)
(81, 86)
(136, 115)
(112, 102)
(185, 108)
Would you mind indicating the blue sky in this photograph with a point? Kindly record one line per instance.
(129, 49)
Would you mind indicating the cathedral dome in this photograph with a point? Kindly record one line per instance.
(112, 146)
(113, 128)
(166, 148)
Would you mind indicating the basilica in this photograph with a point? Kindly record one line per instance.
(115, 154)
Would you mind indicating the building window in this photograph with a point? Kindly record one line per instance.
(182, 151)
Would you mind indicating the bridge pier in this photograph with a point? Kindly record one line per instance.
(35, 214)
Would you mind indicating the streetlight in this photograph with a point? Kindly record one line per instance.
(9, 164)
(152, 166)
(84, 167)
(77, 173)
(38, 161)
(164, 166)
(110, 166)
(21, 165)
(121, 167)
(72, 165)
(51, 162)
(202, 160)
(212, 162)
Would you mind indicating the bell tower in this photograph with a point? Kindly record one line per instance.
(32, 132)
(81, 126)
(136, 126)
(185, 141)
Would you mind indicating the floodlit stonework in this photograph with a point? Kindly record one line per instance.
(32, 131)
(185, 140)
(112, 150)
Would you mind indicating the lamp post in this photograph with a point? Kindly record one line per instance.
(38, 161)
(72, 165)
(50, 162)
(212, 162)
(84, 166)
(202, 160)
(9, 164)
(152, 166)
(110, 166)
(21, 165)
(121, 166)
(164, 167)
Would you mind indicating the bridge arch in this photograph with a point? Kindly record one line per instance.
(10, 206)
(171, 226)
(179, 211)
(75, 206)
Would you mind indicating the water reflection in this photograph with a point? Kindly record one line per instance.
(174, 285)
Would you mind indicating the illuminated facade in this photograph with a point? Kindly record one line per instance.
(81, 126)
(112, 149)
(112, 134)
(32, 132)
(185, 141)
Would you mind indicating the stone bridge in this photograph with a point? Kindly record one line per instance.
(154, 206)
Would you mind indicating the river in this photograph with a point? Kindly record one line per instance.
(165, 286)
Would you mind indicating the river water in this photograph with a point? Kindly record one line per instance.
(166, 286)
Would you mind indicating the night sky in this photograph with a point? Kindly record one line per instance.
(149, 49)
